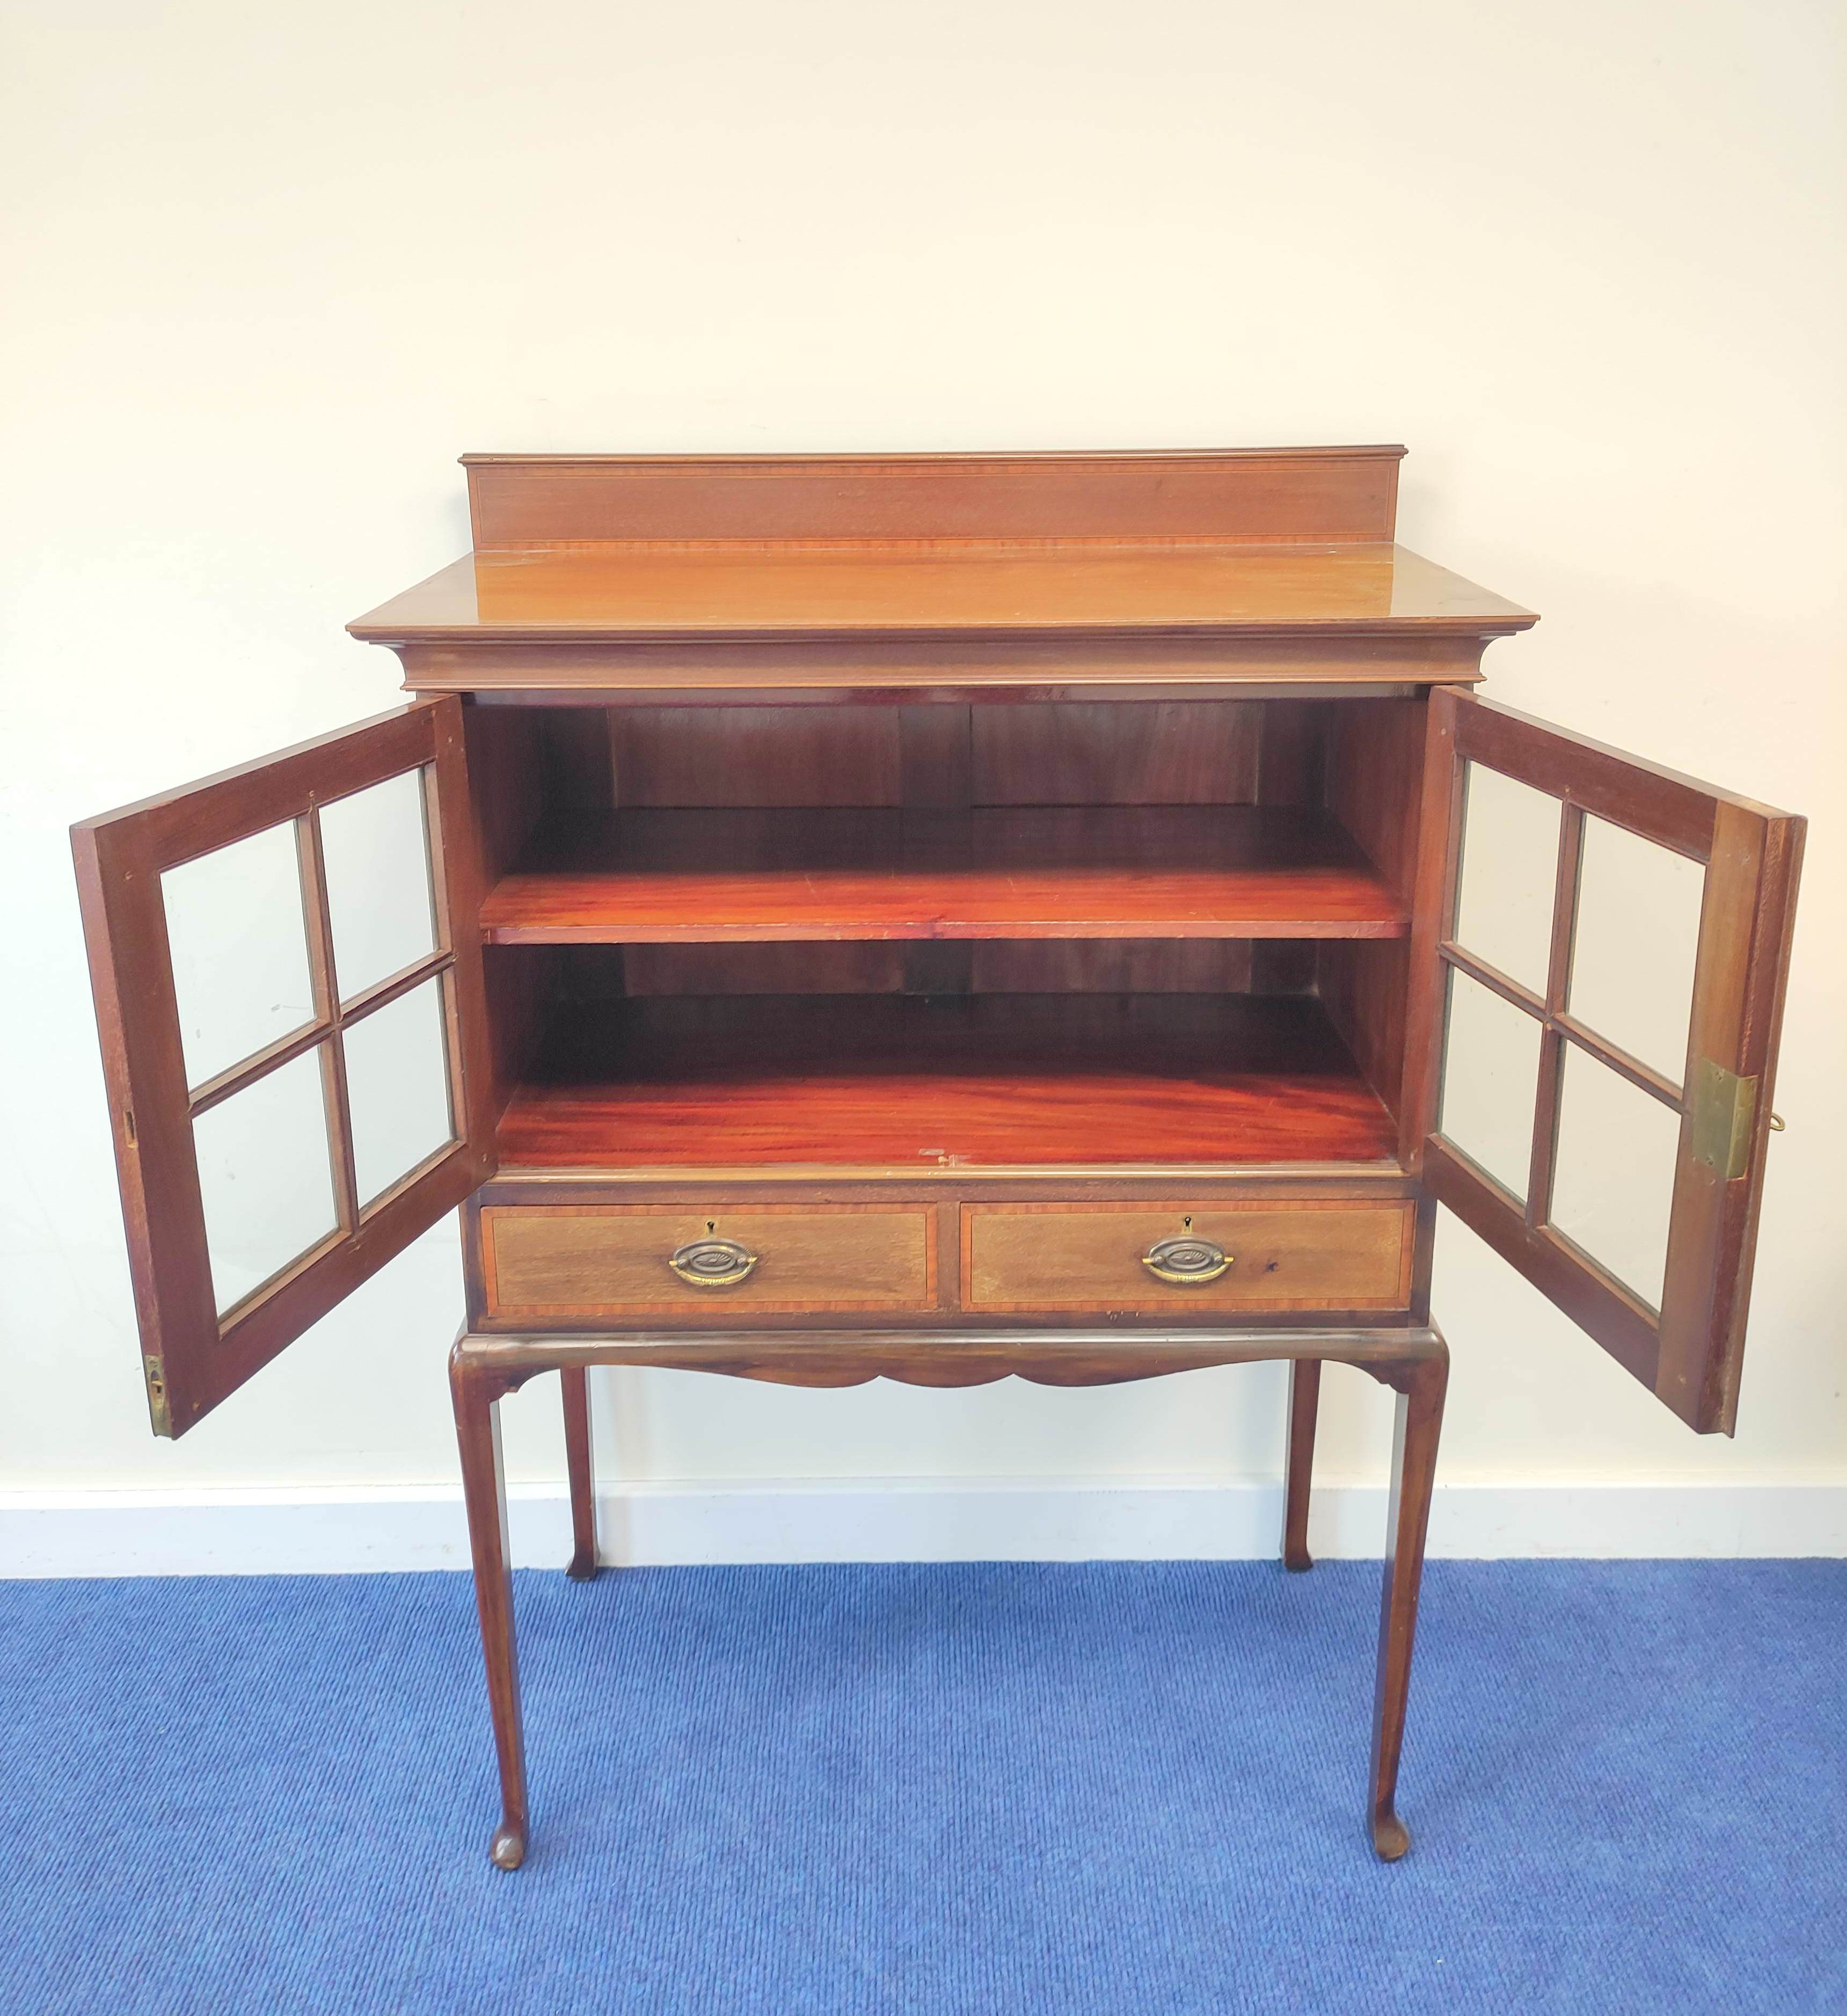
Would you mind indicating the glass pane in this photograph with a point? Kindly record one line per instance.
(1491, 1078)
(1510, 868)
(377, 856)
(1638, 935)
(1613, 1184)
(239, 947)
(398, 1088)
(265, 1175)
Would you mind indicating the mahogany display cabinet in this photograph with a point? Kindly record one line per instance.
(940, 917)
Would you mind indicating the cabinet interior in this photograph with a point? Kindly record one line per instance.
(1017, 933)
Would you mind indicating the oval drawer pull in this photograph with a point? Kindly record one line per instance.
(712, 1263)
(1188, 1262)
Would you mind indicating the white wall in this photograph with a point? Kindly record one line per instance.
(268, 273)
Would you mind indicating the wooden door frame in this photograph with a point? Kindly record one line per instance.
(191, 1359)
(1689, 1354)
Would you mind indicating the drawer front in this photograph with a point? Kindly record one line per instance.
(1310, 1255)
(589, 1262)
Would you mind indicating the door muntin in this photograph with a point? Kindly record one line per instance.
(285, 1128)
(1601, 1018)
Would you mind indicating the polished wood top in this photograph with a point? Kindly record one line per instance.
(736, 590)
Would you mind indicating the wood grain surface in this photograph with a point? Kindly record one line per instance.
(1314, 494)
(1305, 1255)
(609, 1263)
(1167, 872)
(899, 1082)
(642, 590)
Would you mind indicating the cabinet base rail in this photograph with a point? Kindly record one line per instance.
(1414, 1362)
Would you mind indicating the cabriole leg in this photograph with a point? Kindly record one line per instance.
(1413, 1473)
(577, 1465)
(1305, 1397)
(476, 1393)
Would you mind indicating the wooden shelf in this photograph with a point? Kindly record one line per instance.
(905, 1083)
(644, 877)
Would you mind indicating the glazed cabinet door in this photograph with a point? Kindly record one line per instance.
(288, 987)
(1599, 956)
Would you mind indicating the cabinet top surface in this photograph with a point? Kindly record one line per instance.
(737, 588)
(611, 548)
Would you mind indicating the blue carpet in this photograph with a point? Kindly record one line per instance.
(1078, 1790)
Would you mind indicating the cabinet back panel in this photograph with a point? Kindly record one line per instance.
(792, 967)
(989, 965)
(1108, 965)
(935, 756)
(755, 756)
(1183, 753)
(575, 755)
(1292, 752)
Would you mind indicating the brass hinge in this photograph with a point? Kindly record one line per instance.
(1724, 1106)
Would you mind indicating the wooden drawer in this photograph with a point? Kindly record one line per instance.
(595, 1263)
(1308, 1254)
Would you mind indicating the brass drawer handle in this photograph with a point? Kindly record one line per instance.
(712, 1263)
(1188, 1262)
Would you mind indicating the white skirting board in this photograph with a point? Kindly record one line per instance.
(339, 1531)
